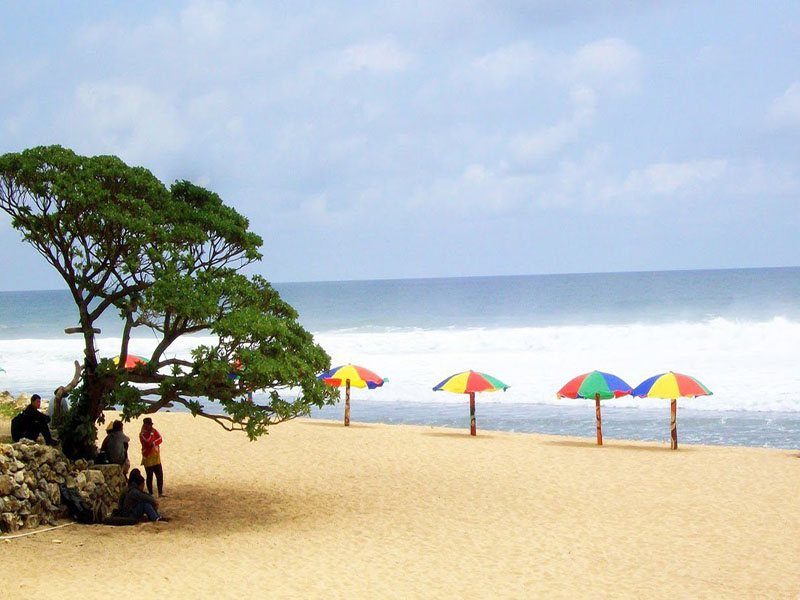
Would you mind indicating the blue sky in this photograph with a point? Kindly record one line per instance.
(369, 140)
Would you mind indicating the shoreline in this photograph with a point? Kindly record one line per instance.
(317, 510)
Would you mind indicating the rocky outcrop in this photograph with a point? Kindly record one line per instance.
(18, 402)
(30, 475)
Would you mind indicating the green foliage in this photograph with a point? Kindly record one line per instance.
(169, 260)
(8, 411)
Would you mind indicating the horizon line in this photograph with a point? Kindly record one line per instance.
(433, 277)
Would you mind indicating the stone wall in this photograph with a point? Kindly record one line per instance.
(30, 474)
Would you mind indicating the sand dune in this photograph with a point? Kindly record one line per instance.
(316, 510)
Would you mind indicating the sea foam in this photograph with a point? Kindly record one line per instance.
(749, 365)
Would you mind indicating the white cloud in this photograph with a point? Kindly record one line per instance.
(129, 119)
(609, 63)
(505, 66)
(673, 178)
(530, 148)
(204, 20)
(785, 109)
(381, 57)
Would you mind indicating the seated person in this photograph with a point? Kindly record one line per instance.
(135, 502)
(115, 447)
(31, 423)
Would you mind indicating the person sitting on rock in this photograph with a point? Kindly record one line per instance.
(136, 503)
(31, 423)
(116, 447)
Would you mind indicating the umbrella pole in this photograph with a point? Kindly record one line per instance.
(472, 427)
(347, 403)
(674, 425)
(599, 419)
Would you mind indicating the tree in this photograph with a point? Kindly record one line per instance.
(169, 260)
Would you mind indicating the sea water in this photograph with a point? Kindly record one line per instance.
(737, 331)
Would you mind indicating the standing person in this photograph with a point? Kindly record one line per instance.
(116, 447)
(151, 455)
(30, 423)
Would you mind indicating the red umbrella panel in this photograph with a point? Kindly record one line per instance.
(131, 361)
(597, 386)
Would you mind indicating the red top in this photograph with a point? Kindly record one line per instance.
(150, 441)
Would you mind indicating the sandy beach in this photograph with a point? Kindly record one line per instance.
(316, 510)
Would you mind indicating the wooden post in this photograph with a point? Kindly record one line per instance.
(347, 403)
(674, 425)
(472, 426)
(598, 419)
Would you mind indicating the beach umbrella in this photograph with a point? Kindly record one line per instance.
(470, 382)
(347, 375)
(131, 361)
(672, 386)
(598, 386)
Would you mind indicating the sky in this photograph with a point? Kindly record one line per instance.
(372, 140)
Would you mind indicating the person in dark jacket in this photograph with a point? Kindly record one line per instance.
(31, 423)
(115, 447)
(136, 503)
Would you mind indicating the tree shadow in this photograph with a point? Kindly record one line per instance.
(204, 510)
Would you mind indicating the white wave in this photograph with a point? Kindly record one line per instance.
(749, 366)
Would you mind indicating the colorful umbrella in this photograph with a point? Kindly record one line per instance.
(348, 375)
(470, 382)
(673, 386)
(597, 385)
(131, 361)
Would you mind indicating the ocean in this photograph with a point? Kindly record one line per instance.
(737, 331)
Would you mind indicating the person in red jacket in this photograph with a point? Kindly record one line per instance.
(151, 455)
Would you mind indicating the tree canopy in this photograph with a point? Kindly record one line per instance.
(169, 260)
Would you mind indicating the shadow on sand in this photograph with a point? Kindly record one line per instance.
(335, 424)
(212, 509)
(457, 434)
(614, 445)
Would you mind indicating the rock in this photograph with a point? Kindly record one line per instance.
(30, 475)
(22, 492)
(53, 493)
(10, 504)
(9, 522)
(31, 521)
(95, 476)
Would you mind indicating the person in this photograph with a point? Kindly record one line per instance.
(51, 407)
(115, 447)
(151, 455)
(135, 503)
(31, 423)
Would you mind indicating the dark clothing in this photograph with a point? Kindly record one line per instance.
(116, 447)
(30, 423)
(130, 500)
(159, 473)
